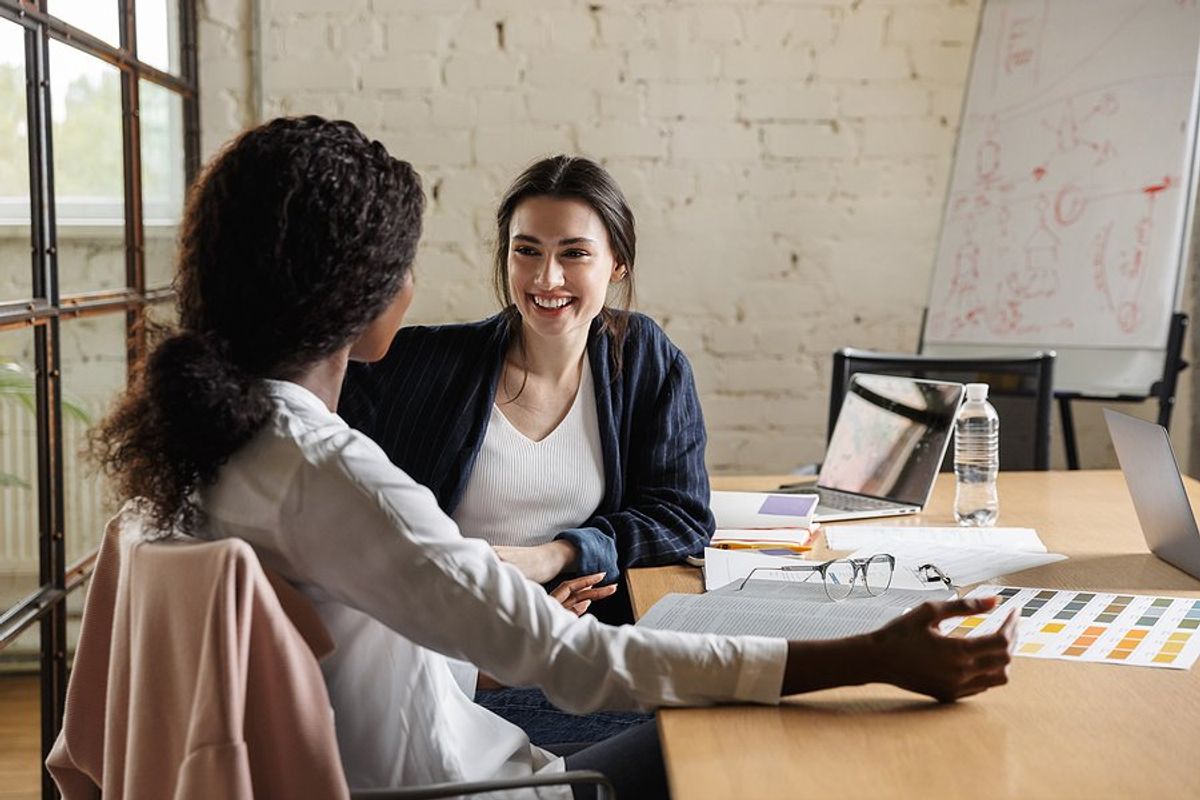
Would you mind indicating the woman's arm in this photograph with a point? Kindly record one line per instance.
(665, 516)
(909, 653)
(361, 532)
(369, 537)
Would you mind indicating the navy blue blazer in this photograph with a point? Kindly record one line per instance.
(428, 401)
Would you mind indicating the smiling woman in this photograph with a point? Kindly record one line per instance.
(578, 201)
(554, 272)
(565, 431)
(559, 267)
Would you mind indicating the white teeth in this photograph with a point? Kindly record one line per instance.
(544, 302)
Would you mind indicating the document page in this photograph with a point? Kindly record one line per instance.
(963, 565)
(722, 567)
(783, 610)
(856, 537)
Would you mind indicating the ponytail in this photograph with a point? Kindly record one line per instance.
(294, 238)
(186, 413)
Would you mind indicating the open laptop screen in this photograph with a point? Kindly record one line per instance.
(890, 437)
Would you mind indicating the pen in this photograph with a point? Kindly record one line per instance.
(793, 548)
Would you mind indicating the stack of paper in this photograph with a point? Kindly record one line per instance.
(794, 539)
(756, 520)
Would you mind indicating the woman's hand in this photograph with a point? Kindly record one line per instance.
(910, 653)
(915, 656)
(540, 563)
(575, 595)
(578, 593)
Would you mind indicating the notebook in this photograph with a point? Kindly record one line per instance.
(887, 446)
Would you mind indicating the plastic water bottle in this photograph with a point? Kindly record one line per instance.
(976, 459)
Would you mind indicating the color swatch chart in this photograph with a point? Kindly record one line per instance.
(1135, 629)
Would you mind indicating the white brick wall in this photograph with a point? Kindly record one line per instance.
(228, 95)
(786, 161)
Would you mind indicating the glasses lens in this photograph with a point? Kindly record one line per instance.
(877, 574)
(839, 579)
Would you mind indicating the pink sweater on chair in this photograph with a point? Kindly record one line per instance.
(196, 676)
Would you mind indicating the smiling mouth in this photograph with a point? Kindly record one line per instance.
(551, 303)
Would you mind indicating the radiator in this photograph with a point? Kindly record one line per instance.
(84, 504)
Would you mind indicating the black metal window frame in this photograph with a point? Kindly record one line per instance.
(42, 311)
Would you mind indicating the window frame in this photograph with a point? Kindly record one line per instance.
(45, 307)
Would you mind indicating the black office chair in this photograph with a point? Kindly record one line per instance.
(1021, 389)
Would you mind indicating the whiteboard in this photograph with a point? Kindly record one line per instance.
(1067, 218)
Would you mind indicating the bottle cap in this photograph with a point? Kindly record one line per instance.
(977, 391)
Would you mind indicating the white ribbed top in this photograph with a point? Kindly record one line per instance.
(523, 492)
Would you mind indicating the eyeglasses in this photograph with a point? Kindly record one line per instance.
(930, 573)
(841, 574)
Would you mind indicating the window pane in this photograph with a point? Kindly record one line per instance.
(163, 178)
(158, 34)
(89, 180)
(97, 17)
(93, 370)
(15, 280)
(18, 468)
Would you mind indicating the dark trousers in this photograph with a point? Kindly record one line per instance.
(631, 760)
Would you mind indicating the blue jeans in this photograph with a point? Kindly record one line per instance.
(545, 724)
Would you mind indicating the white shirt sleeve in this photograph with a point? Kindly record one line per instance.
(369, 536)
(465, 675)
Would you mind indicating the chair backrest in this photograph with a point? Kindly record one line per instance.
(212, 663)
(195, 676)
(1021, 389)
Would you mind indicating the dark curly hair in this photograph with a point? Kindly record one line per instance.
(574, 178)
(295, 237)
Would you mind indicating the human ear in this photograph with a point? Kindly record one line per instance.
(618, 274)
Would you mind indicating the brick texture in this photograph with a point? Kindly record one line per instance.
(787, 161)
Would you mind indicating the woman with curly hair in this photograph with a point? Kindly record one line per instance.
(296, 257)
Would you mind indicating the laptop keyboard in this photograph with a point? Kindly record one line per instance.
(852, 502)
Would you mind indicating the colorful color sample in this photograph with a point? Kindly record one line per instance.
(1128, 629)
(1075, 605)
(1114, 608)
(965, 627)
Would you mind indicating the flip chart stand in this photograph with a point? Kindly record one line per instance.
(1163, 389)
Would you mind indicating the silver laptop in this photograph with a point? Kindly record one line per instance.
(887, 446)
(1159, 498)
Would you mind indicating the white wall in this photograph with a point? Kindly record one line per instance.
(786, 162)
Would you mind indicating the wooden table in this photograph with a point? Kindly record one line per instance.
(1058, 730)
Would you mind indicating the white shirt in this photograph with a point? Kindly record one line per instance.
(523, 492)
(400, 590)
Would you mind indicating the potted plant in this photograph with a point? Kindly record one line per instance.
(17, 386)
